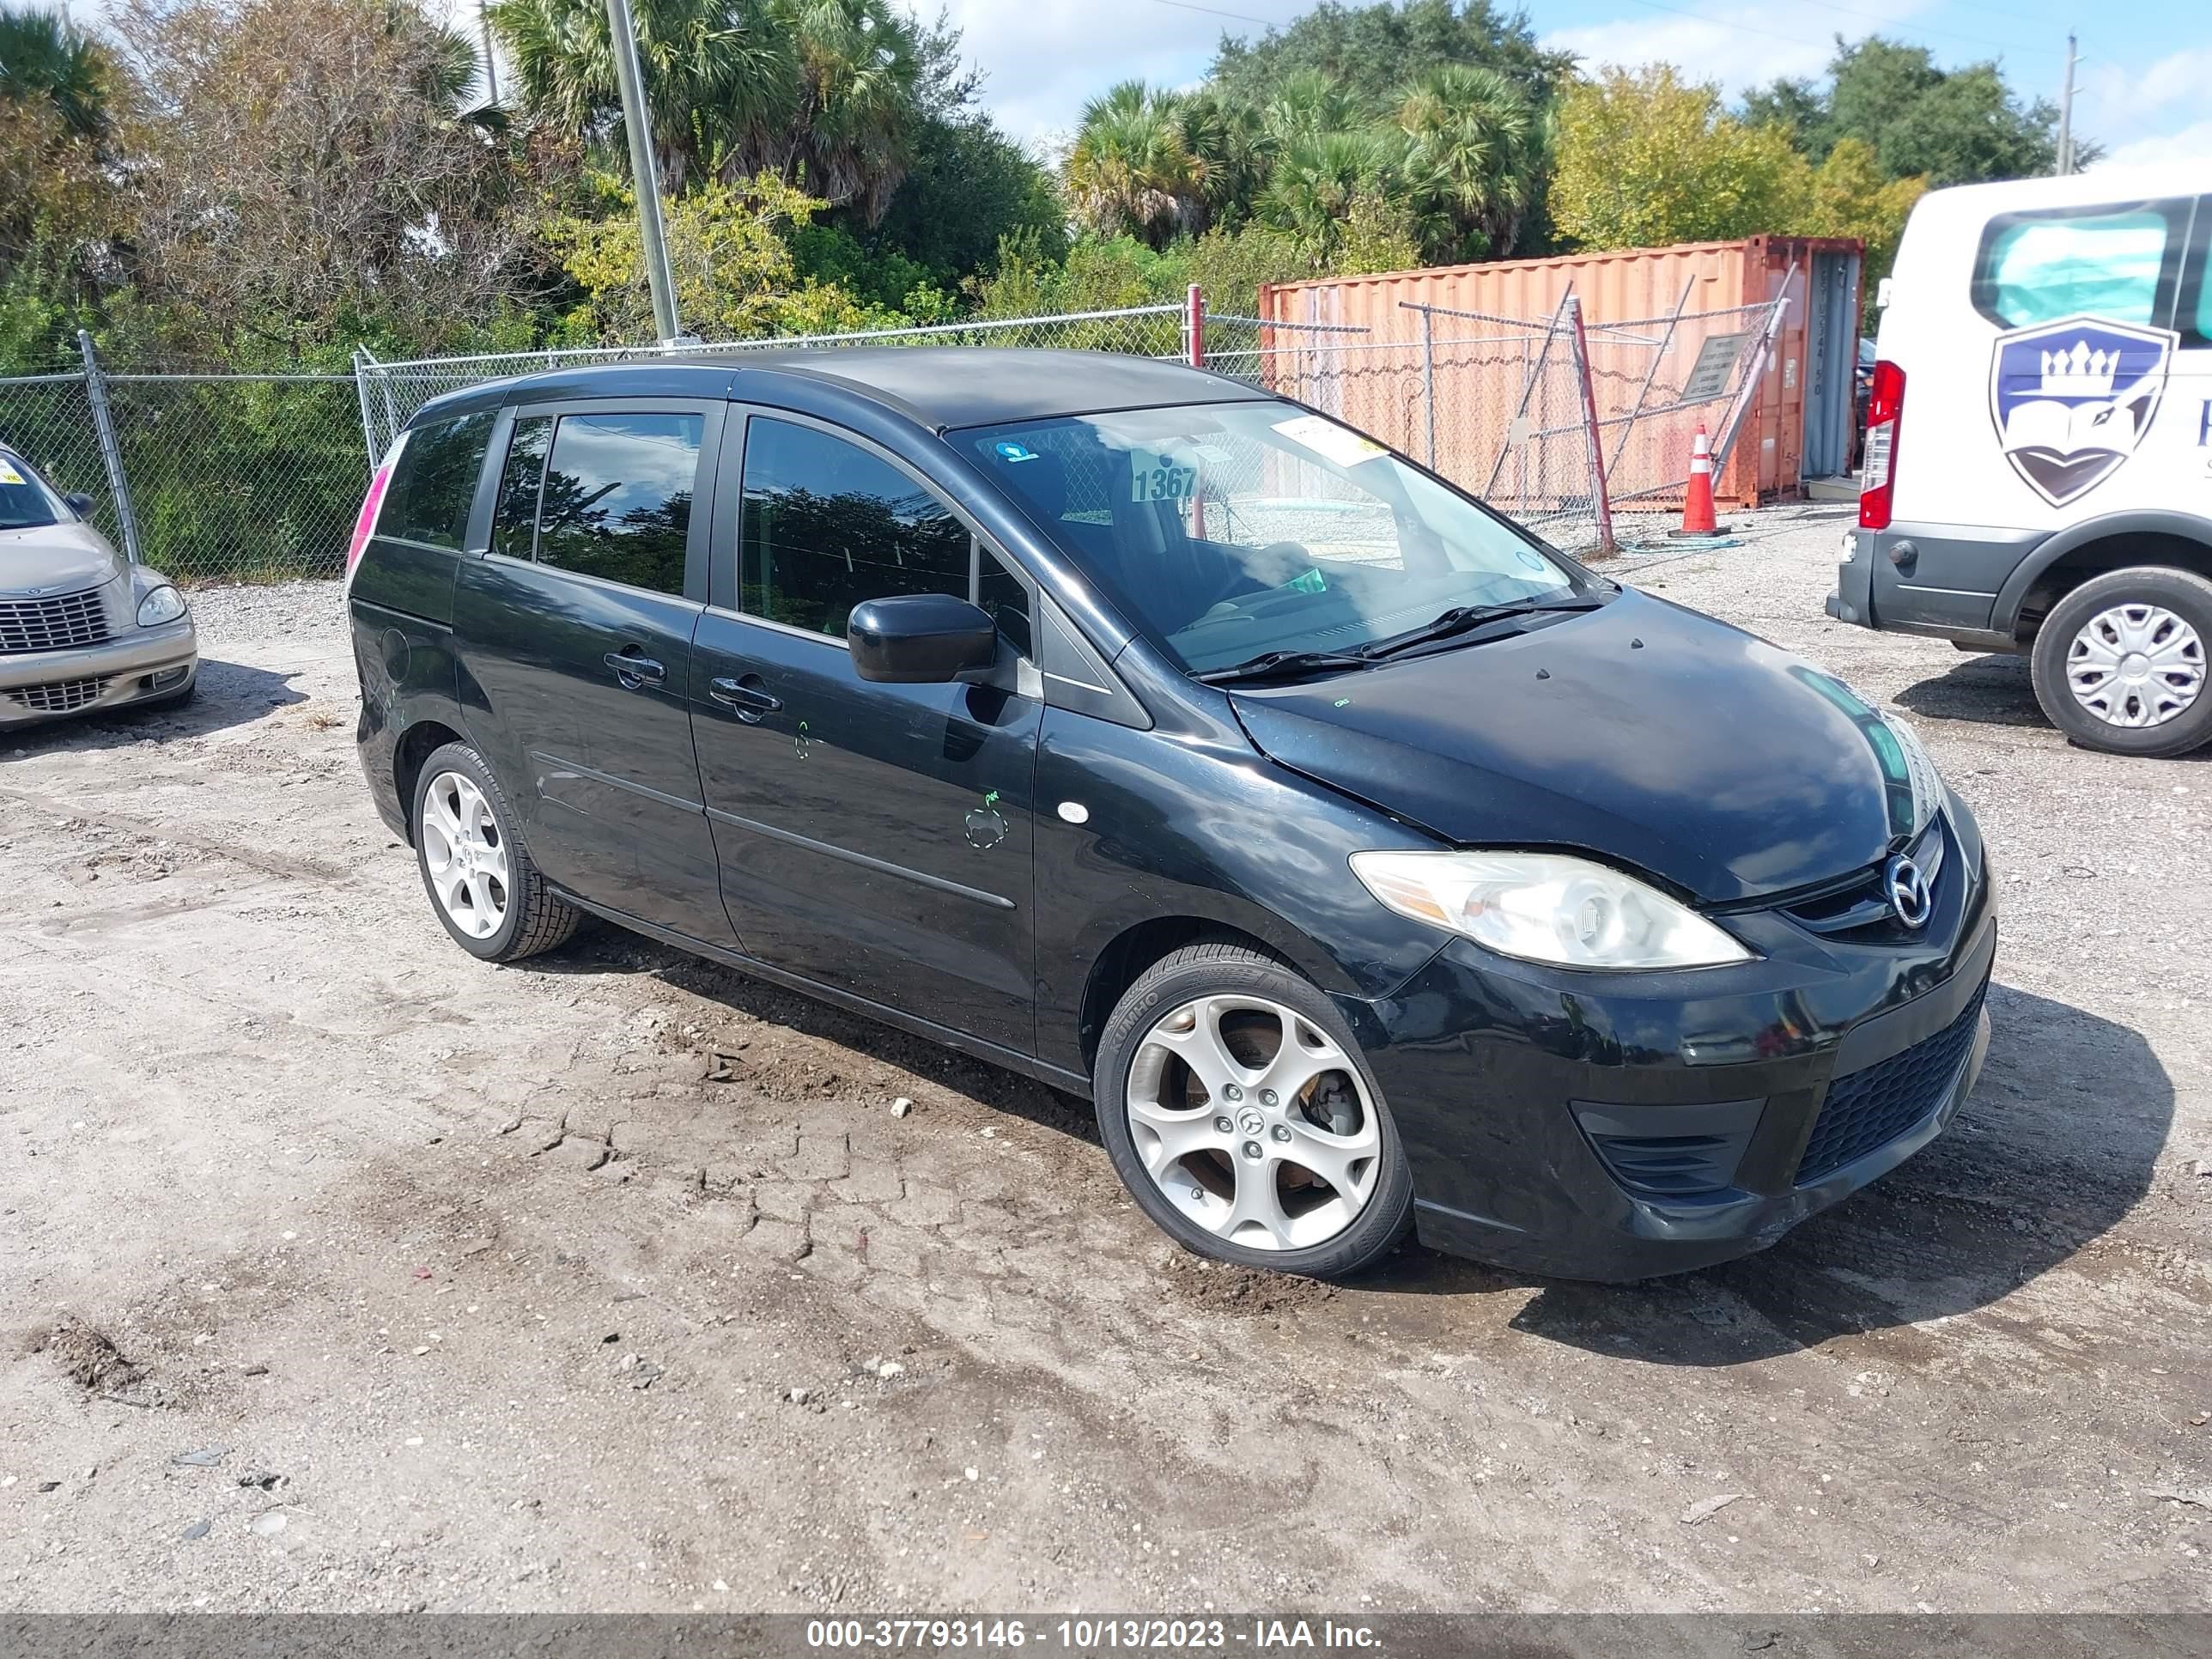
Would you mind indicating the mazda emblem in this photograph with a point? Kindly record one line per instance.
(1908, 891)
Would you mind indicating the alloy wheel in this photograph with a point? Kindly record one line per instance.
(1253, 1122)
(465, 854)
(2135, 664)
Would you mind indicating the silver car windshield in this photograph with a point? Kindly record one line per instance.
(25, 503)
(1231, 529)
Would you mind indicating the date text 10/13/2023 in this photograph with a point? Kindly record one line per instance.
(1092, 1635)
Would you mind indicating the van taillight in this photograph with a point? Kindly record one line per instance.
(1878, 468)
(365, 524)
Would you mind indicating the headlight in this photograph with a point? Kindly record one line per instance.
(1546, 907)
(162, 604)
(1921, 782)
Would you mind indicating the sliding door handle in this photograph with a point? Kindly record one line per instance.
(634, 671)
(747, 697)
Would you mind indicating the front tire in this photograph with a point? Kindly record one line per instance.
(2120, 662)
(1240, 1114)
(482, 883)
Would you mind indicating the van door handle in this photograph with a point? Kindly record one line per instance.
(634, 671)
(750, 700)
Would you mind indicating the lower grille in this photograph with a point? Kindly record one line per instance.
(60, 697)
(60, 623)
(1871, 1108)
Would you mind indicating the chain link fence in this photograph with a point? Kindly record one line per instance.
(205, 476)
(1581, 430)
(393, 392)
(1561, 422)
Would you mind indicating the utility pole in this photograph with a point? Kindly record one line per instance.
(2066, 115)
(644, 178)
(491, 68)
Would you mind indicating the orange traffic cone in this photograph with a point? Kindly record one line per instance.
(1698, 499)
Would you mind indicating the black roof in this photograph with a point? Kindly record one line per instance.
(945, 386)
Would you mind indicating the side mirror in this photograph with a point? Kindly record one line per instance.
(79, 503)
(920, 639)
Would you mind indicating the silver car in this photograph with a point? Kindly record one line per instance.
(82, 628)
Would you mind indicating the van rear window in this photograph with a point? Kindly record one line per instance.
(2105, 264)
(434, 483)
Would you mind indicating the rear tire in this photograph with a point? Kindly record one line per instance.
(481, 880)
(1217, 1034)
(2120, 664)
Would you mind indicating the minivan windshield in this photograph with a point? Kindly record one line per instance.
(1233, 533)
(25, 503)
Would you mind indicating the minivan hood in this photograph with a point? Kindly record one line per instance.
(1651, 735)
(56, 558)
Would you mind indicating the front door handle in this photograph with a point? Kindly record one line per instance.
(750, 702)
(634, 671)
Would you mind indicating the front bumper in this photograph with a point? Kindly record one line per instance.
(1623, 1126)
(138, 664)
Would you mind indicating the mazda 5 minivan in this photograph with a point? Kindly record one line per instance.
(1368, 863)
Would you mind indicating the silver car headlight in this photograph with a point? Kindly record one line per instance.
(1546, 907)
(160, 605)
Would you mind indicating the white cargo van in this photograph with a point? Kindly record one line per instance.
(2038, 472)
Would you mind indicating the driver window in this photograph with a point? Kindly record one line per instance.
(828, 525)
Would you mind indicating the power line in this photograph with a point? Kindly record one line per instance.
(1216, 11)
(1847, 11)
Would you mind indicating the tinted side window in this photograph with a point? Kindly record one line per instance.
(827, 526)
(617, 501)
(2107, 262)
(515, 515)
(434, 481)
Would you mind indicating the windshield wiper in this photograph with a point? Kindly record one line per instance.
(1282, 665)
(1465, 618)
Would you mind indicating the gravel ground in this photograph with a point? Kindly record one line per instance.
(345, 1272)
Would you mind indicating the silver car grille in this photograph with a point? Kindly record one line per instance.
(60, 697)
(59, 623)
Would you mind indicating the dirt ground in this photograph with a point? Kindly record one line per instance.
(341, 1272)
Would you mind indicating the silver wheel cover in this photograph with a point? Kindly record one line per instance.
(2135, 665)
(1253, 1122)
(465, 854)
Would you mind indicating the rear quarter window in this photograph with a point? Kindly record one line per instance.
(434, 485)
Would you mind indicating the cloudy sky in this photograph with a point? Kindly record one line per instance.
(2141, 88)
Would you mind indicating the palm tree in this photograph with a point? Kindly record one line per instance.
(41, 61)
(1317, 180)
(720, 78)
(1307, 104)
(825, 94)
(860, 71)
(1138, 164)
(1474, 149)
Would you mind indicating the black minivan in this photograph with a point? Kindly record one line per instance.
(1366, 861)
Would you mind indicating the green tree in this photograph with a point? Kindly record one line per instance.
(1476, 153)
(1950, 126)
(42, 62)
(302, 172)
(1848, 196)
(1339, 189)
(1647, 158)
(1368, 51)
(729, 251)
(827, 94)
(968, 186)
(1139, 165)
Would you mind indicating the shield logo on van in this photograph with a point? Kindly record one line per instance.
(2072, 399)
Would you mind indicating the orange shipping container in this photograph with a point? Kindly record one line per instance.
(1799, 424)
